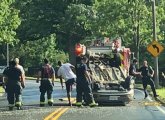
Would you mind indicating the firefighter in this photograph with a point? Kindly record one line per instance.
(14, 85)
(133, 73)
(47, 76)
(147, 73)
(132, 70)
(84, 84)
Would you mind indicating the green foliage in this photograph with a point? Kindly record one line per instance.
(40, 18)
(9, 21)
(130, 20)
(74, 24)
(75, 27)
(32, 53)
(49, 27)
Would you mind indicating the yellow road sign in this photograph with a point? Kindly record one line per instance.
(155, 48)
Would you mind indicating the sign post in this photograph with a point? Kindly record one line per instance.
(7, 55)
(155, 38)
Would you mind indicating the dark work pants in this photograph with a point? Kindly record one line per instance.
(84, 91)
(14, 94)
(148, 81)
(46, 87)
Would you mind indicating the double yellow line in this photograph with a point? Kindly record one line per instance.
(57, 113)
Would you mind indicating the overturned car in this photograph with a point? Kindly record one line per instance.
(109, 73)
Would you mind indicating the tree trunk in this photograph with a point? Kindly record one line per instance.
(72, 56)
(138, 37)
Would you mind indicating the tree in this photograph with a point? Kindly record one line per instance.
(32, 53)
(74, 27)
(9, 21)
(130, 20)
(40, 18)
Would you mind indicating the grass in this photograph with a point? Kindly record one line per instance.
(161, 93)
(1, 89)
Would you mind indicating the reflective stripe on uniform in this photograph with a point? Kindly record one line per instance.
(42, 103)
(93, 104)
(78, 103)
(50, 100)
(122, 59)
(11, 105)
(18, 103)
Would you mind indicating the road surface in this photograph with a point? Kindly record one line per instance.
(138, 109)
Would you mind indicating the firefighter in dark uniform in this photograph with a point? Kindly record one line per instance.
(132, 70)
(147, 73)
(47, 75)
(14, 85)
(133, 73)
(84, 84)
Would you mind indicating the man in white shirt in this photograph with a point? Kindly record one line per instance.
(66, 72)
(20, 67)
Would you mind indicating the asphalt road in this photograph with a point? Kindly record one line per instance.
(138, 109)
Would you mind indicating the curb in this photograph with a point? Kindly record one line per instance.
(158, 99)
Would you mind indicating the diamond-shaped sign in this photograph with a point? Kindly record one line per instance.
(155, 48)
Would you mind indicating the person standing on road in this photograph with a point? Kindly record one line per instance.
(133, 73)
(61, 81)
(147, 73)
(65, 71)
(14, 85)
(20, 67)
(47, 75)
(132, 70)
(84, 84)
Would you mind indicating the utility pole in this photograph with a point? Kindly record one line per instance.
(156, 79)
(7, 55)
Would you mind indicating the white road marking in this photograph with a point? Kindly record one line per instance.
(159, 108)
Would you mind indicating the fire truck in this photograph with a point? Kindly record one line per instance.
(109, 66)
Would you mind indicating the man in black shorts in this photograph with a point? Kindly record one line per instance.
(66, 72)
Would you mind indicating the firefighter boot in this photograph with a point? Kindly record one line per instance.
(11, 108)
(42, 104)
(93, 104)
(18, 105)
(50, 102)
(79, 104)
(19, 108)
